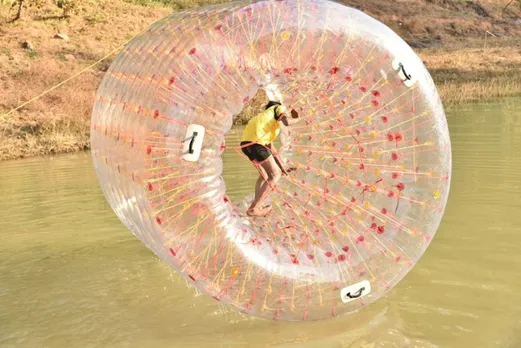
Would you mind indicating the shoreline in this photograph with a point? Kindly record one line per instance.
(29, 133)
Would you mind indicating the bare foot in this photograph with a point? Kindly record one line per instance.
(259, 212)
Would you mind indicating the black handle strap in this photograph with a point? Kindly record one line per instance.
(356, 294)
(191, 148)
(407, 76)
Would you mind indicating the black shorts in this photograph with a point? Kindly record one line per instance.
(256, 152)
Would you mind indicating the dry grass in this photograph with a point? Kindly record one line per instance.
(59, 122)
(475, 74)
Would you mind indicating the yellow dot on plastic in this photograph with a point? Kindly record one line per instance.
(322, 157)
(368, 119)
(436, 194)
(285, 35)
(367, 205)
(235, 271)
(358, 218)
(315, 242)
(348, 163)
(376, 154)
(377, 171)
(373, 134)
(372, 188)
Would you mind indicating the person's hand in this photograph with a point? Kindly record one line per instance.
(284, 172)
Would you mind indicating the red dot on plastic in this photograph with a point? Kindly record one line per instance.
(218, 27)
(341, 257)
(171, 81)
(150, 187)
(149, 150)
(375, 103)
(374, 226)
(376, 93)
(156, 114)
(363, 89)
(398, 137)
(328, 254)
(311, 257)
(390, 137)
(192, 51)
(159, 221)
(172, 251)
(345, 248)
(400, 186)
(384, 211)
(390, 194)
(334, 70)
(360, 238)
(349, 78)
(385, 119)
(394, 156)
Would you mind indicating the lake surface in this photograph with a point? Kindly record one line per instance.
(71, 275)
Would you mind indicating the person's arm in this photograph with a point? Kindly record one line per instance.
(290, 121)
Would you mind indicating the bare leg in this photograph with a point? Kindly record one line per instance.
(262, 177)
(273, 174)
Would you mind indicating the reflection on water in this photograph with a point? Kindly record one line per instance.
(72, 275)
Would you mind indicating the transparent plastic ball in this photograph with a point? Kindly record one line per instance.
(371, 153)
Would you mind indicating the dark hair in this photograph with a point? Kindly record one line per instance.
(272, 103)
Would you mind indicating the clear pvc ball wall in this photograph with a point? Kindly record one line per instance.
(372, 153)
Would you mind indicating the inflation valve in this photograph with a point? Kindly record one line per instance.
(355, 291)
(404, 72)
(193, 143)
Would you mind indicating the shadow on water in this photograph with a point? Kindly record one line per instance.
(70, 272)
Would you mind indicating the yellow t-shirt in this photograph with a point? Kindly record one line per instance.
(264, 128)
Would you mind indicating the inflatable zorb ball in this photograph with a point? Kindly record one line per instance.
(371, 149)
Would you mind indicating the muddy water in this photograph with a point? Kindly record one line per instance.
(72, 276)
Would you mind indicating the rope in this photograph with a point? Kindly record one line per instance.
(77, 74)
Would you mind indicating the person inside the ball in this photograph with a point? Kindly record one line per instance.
(257, 144)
